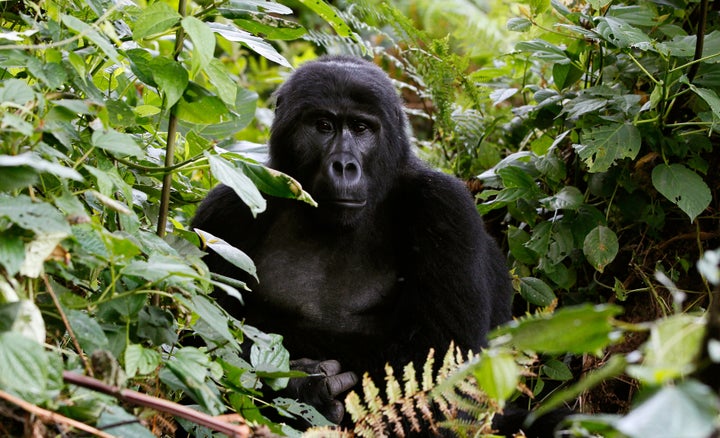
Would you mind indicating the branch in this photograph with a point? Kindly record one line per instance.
(161, 405)
(51, 417)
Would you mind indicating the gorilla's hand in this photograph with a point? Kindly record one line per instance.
(322, 385)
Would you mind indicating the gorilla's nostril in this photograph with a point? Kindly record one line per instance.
(337, 167)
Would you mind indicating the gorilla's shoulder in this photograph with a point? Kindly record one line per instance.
(433, 188)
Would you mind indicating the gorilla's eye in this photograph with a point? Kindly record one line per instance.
(359, 127)
(324, 125)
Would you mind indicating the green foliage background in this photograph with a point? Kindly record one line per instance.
(588, 132)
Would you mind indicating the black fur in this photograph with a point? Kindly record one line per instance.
(394, 261)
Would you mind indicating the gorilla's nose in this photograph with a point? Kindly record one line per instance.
(345, 169)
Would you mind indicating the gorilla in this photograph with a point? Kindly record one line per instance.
(393, 261)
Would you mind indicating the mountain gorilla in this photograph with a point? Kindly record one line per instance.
(393, 261)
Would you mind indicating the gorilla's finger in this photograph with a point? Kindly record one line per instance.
(340, 383)
(329, 367)
(334, 411)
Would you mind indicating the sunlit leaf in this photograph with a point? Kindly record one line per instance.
(233, 33)
(329, 14)
(203, 41)
(600, 247)
(536, 291)
(116, 142)
(171, 77)
(156, 18)
(497, 374)
(228, 252)
(603, 145)
(238, 181)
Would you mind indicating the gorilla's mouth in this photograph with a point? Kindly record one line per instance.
(346, 203)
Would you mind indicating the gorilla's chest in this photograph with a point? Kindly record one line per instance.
(314, 283)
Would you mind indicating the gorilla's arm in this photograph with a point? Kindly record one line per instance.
(224, 215)
(458, 270)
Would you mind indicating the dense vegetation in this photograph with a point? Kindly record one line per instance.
(588, 132)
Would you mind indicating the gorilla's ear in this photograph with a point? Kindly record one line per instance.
(275, 100)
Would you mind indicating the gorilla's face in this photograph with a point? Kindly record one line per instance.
(340, 145)
(339, 129)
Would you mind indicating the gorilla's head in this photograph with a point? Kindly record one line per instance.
(340, 130)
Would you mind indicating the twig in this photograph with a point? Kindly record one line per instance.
(158, 404)
(52, 417)
(69, 329)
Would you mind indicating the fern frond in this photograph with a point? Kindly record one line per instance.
(448, 398)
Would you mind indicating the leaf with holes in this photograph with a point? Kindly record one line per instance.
(603, 145)
(683, 187)
(600, 247)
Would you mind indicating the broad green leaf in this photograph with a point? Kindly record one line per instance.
(93, 35)
(328, 13)
(621, 33)
(576, 329)
(23, 317)
(115, 421)
(535, 291)
(140, 64)
(603, 145)
(40, 217)
(225, 87)
(171, 77)
(203, 41)
(683, 187)
(516, 241)
(34, 161)
(12, 252)
(565, 75)
(637, 15)
(569, 198)
(270, 27)
(210, 314)
(275, 183)
(240, 6)
(190, 371)
(201, 107)
(233, 33)
(140, 360)
(497, 374)
(557, 370)
(269, 358)
(228, 252)
(686, 409)
(238, 181)
(711, 98)
(518, 24)
(671, 350)
(684, 46)
(156, 18)
(87, 330)
(543, 50)
(116, 142)
(25, 368)
(16, 91)
(600, 247)
(157, 325)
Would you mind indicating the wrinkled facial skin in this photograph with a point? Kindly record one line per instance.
(339, 130)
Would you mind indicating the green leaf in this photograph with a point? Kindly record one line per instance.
(600, 247)
(23, 317)
(157, 325)
(329, 14)
(270, 27)
(39, 217)
(87, 330)
(34, 161)
(565, 75)
(576, 329)
(116, 142)
(203, 41)
(211, 314)
(271, 357)
(543, 50)
(233, 33)
(671, 350)
(536, 291)
(140, 360)
(605, 144)
(238, 181)
(711, 98)
(12, 252)
(225, 87)
(170, 77)
(622, 34)
(497, 374)
(569, 198)
(682, 187)
(275, 183)
(189, 371)
(556, 370)
(116, 421)
(518, 24)
(228, 252)
(25, 368)
(156, 18)
(687, 409)
(93, 35)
